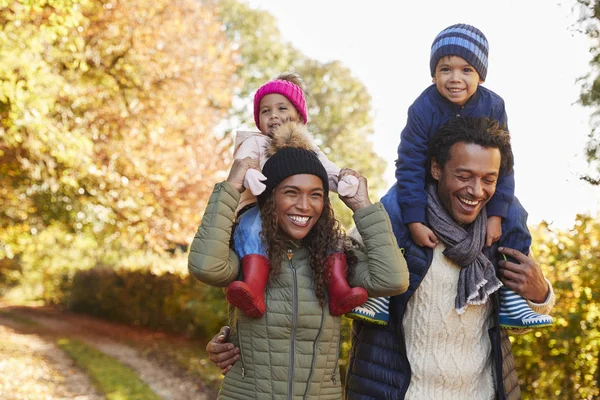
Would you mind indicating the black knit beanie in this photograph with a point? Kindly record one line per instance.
(288, 161)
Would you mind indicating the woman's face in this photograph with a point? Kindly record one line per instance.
(299, 203)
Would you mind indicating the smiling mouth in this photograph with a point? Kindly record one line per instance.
(455, 90)
(467, 202)
(299, 220)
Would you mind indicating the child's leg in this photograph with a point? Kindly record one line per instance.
(375, 310)
(249, 294)
(342, 297)
(515, 312)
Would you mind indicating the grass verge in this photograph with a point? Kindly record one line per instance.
(189, 356)
(20, 319)
(115, 380)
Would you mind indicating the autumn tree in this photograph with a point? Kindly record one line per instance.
(562, 362)
(164, 72)
(108, 111)
(589, 20)
(339, 105)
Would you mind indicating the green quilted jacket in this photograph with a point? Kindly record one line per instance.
(292, 351)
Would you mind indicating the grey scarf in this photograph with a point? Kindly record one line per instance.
(477, 278)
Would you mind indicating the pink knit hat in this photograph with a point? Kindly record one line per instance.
(285, 88)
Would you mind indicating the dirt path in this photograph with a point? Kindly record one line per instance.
(32, 367)
(166, 380)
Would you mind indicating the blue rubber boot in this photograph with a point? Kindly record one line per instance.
(375, 310)
(515, 312)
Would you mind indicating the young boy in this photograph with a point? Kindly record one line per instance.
(458, 64)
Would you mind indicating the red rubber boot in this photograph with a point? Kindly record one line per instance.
(249, 295)
(342, 297)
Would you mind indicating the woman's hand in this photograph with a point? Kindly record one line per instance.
(222, 353)
(238, 171)
(361, 198)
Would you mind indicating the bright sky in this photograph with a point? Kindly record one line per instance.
(536, 56)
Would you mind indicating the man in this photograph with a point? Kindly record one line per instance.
(440, 345)
(443, 340)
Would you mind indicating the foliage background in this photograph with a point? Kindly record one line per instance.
(116, 119)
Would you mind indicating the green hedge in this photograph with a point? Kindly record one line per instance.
(168, 302)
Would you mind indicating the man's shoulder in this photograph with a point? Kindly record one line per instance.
(392, 207)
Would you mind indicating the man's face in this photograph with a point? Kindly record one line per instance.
(468, 180)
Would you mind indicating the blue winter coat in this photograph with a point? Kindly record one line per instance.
(425, 116)
(379, 367)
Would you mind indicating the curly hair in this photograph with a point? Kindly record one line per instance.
(325, 237)
(485, 132)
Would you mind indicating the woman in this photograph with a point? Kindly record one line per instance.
(292, 349)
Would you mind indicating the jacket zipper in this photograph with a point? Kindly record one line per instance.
(237, 328)
(314, 359)
(290, 254)
(337, 361)
(459, 111)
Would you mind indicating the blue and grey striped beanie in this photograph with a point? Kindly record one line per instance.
(464, 41)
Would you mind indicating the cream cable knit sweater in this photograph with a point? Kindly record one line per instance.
(449, 354)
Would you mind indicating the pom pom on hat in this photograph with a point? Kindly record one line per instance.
(291, 152)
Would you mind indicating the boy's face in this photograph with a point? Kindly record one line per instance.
(456, 79)
(274, 110)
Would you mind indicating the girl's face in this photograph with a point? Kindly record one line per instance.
(456, 79)
(299, 201)
(274, 110)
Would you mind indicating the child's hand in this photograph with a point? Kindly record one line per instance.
(494, 230)
(253, 181)
(422, 235)
(347, 186)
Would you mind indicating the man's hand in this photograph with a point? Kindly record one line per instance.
(493, 231)
(523, 276)
(422, 235)
(222, 353)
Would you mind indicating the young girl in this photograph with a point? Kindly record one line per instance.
(275, 103)
(292, 350)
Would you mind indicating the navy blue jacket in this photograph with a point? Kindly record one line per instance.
(379, 367)
(425, 116)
